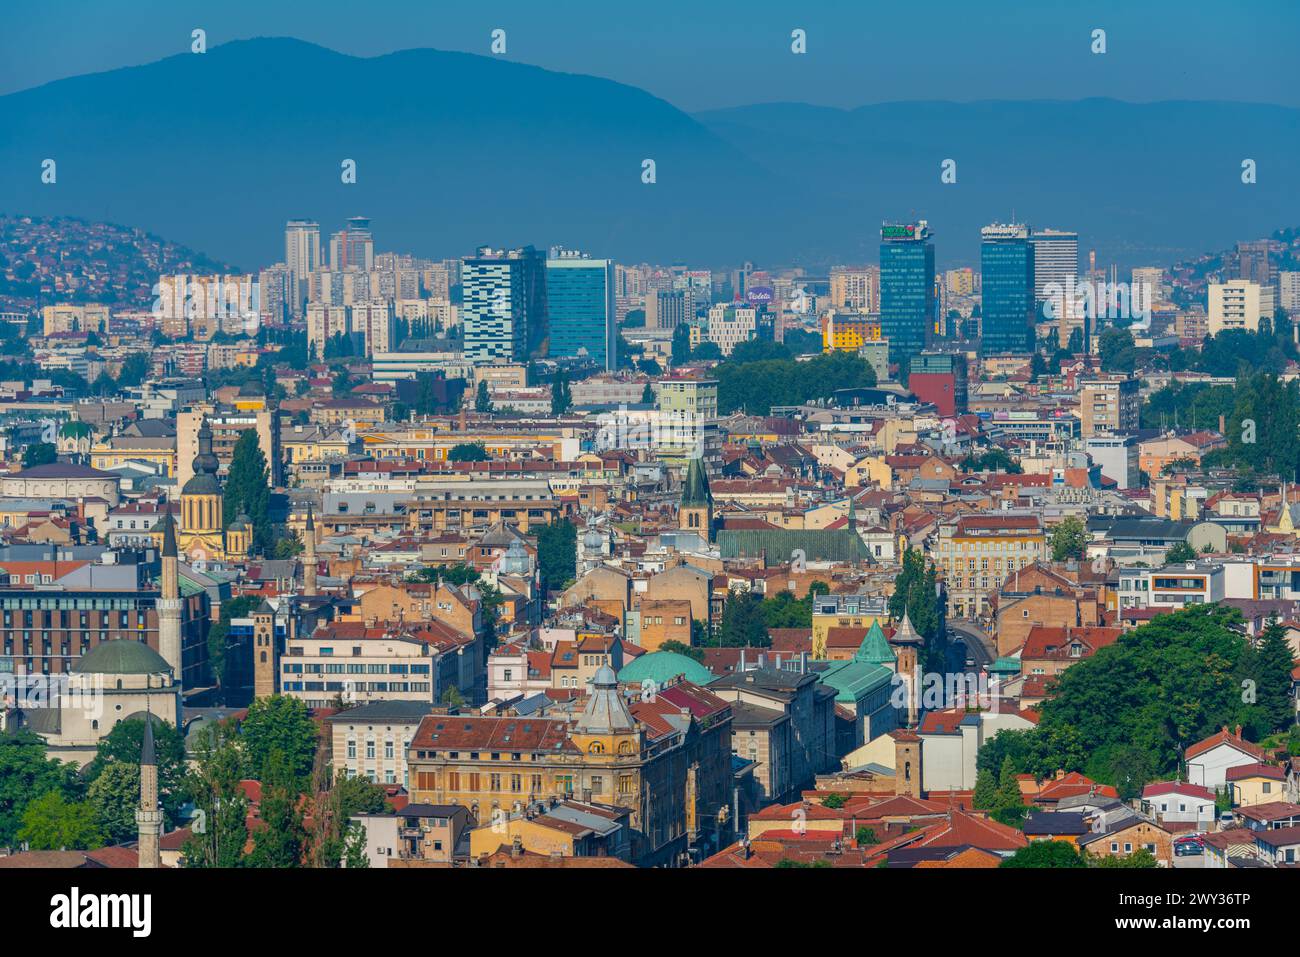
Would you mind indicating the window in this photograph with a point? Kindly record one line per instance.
(596, 747)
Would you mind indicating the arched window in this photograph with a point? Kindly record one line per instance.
(596, 747)
(625, 747)
(264, 657)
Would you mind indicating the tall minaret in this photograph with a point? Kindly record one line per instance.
(169, 604)
(309, 556)
(148, 816)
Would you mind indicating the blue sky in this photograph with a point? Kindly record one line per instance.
(702, 54)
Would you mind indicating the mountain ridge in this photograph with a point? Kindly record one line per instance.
(455, 150)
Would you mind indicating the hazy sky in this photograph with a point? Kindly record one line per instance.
(700, 54)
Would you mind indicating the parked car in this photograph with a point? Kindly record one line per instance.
(1226, 820)
(1188, 847)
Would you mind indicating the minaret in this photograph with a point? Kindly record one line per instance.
(169, 604)
(148, 817)
(309, 557)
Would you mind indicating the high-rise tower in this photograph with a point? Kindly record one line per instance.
(1007, 281)
(907, 300)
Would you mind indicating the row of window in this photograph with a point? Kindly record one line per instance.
(390, 748)
(417, 687)
(297, 668)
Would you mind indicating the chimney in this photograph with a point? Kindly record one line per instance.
(517, 847)
(1236, 732)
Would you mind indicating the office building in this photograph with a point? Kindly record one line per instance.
(1056, 268)
(504, 313)
(580, 303)
(1007, 278)
(907, 300)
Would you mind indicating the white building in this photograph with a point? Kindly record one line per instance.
(1239, 304)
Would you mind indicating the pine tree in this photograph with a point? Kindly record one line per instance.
(1272, 666)
(985, 797)
(247, 489)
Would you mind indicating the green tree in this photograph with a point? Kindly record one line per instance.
(985, 797)
(482, 399)
(219, 828)
(557, 552)
(1159, 687)
(1129, 767)
(1069, 538)
(1118, 353)
(1265, 672)
(1009, 805)
(51, 823)
(279, 842)
(40, 453)
(1046, 854)
(561, 398)
(468, 452)
(1141, 858)
(917, 593)
(279, 727)
(1179, 553)
(354, 850)
(25, 773)
(866, 836)
(697, 654)
(135, 369)
(248, 491)
(648, 395)
(123, 745)
(288, 547)
(743, 623)
(115, 795)
(681, 344)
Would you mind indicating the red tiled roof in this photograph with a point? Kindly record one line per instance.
(1225, 737)
(461, 732)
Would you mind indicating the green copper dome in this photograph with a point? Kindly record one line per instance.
(660, 666)
(121, 656)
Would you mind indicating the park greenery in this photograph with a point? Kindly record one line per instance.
(755, 379)
(747, 616)
(1126, 715)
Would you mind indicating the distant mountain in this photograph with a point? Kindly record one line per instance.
(452, 151)
(217, 150)
(1140, 182)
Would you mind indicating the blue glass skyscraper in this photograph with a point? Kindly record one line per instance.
(1007, 281)
(580, 299)
(907, 301)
